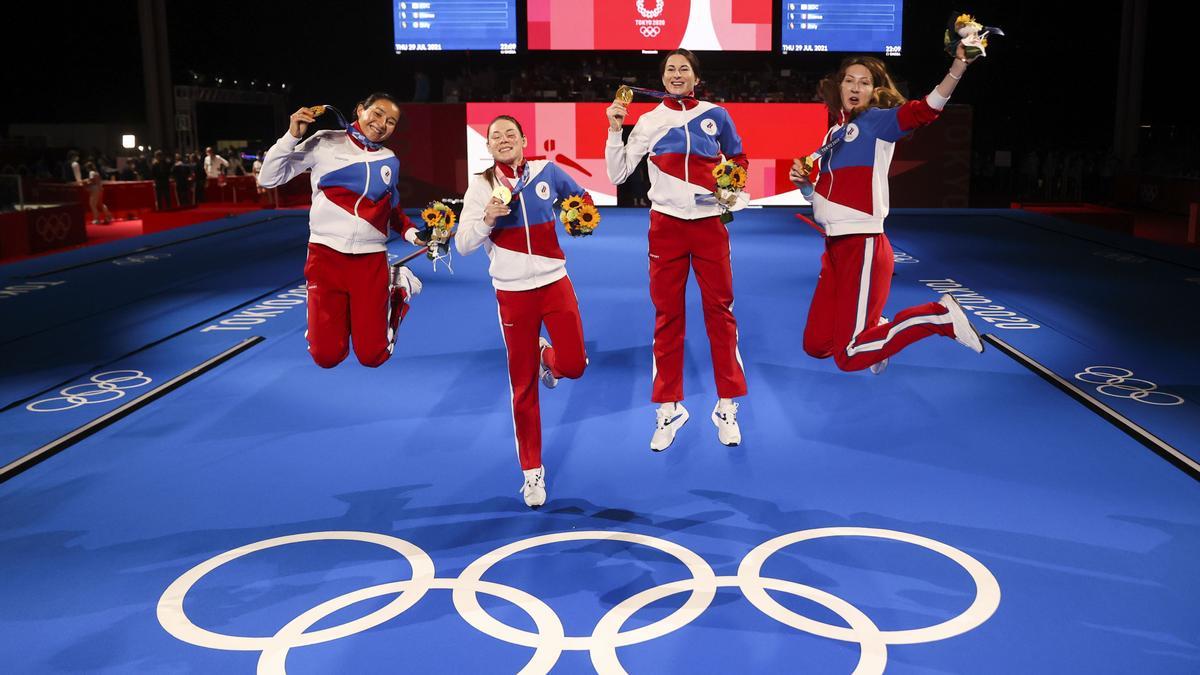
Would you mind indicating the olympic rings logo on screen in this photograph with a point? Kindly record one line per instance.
(103, 387)
(53, 227)
(549, 640)
(650, 31)
(1118, 382)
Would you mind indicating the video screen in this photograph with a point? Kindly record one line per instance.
(445, 25)
(650, 25)
(842, 26)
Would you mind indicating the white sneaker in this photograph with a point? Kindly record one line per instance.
(964, 333)
(534, 489)
(671, 416)
(544, 373)
(877, 368)
(725, 417)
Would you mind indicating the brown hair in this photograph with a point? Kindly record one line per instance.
(692, 59)
(885, 94)
(489, 174)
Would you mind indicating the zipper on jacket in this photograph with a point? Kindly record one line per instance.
(366, 189)
(687, 154)
(525, 216)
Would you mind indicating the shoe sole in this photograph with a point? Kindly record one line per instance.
(686, 417)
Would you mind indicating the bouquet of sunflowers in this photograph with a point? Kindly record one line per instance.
(579, 218)
(439, 223)
(731, 180)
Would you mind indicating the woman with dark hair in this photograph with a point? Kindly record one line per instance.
(354, 201)
(850, 202)
(510, 210)
(685, 139)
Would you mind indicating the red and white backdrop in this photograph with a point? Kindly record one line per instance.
(441, 145)
(573, 136)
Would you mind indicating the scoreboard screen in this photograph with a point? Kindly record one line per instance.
(842, 26)
(445, 25)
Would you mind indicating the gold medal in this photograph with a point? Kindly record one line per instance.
(624, 95)
(502, 194)
(317, 110)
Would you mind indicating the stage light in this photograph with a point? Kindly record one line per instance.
(141, 148)
(128, 141)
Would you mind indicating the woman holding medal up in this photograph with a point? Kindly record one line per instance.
(686, 139)
(510, 210)
(354, 201)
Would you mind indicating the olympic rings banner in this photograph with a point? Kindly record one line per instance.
(41, 229)
(573, 136)
(713, 25)
(549, 639)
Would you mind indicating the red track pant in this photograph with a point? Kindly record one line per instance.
(522, 314)
(856, 277)
(702, 245)
(349, 299)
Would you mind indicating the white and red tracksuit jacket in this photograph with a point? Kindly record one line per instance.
(851, 181)
(354, 196)
(686, 139)
(523, 246)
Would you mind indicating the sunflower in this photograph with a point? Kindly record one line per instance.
(572, 202)
(587, 220)
(738, 178)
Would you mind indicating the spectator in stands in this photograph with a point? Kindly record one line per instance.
(127, 172)
(73, 168)
(182, 172)
(200, 178)
(160, 173)
(214, 164)
(236, 167)
(256, 168)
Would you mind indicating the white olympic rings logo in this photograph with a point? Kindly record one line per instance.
(650, 13)
(103, 387)
(550, 639)
(650, 31)
(53, 227)
(1119, 382)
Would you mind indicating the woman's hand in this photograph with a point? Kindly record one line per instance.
(961, 55)
(495, 209)
(616, 115)
(299, 122)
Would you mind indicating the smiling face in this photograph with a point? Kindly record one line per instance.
(857, 86)
(378, 120)
(679, 77)
(506, 142)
